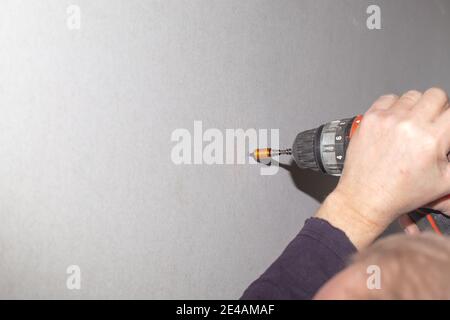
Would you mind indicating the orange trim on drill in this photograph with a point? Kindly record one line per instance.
(431, 221)
(433, 224)
(355, 125)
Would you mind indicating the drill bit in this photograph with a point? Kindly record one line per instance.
(267, 153)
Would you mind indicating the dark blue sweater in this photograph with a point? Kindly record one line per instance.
(316, 254)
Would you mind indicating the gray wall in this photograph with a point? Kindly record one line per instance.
(86, 118)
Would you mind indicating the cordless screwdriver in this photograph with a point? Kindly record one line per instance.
(323, 149)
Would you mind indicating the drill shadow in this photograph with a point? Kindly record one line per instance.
(318, 186)
(315, 184)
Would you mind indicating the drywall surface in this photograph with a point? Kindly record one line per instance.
(87, 176)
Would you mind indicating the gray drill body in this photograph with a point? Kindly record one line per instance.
(323, 149)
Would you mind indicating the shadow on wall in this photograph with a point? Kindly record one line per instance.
(319, 185)
(313, 183)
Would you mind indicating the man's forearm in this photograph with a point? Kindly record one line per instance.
(317, 253)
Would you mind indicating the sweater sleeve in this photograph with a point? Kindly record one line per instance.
(316, 254)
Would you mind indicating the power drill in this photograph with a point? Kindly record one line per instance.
(323, 149)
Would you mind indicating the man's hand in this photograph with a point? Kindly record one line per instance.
(396, 162)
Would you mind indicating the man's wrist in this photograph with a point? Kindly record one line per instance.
(347, 216)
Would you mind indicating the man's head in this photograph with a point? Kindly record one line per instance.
(397, 267)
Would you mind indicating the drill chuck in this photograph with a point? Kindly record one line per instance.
(323, 149)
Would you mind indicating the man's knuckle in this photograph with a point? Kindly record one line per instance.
(383, 102)
(413, 93)
(411, 96)
(374, 115)
(404, 126)
(438, 93)
(430, 141)
(426, 104)
(388, 96)
(411, 131)
(376, 106)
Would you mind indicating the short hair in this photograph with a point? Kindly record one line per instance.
(411, 267)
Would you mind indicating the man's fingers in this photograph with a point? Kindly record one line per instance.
(383, 102)
(432, 103)
(443, 120)
(408, 225)
(407, 101)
